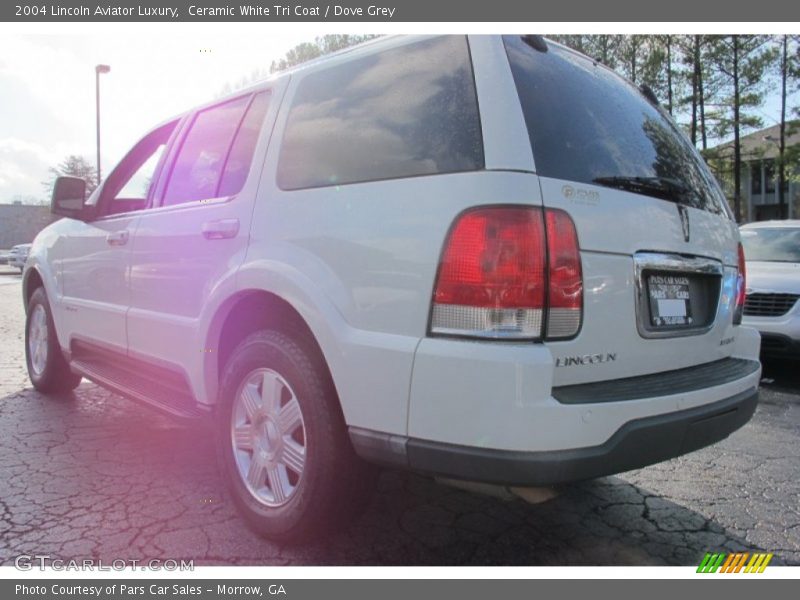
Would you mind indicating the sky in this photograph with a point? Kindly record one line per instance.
(47, 87)
(47, 93)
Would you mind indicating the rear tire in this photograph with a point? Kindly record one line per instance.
(283, 444)
(47, 369)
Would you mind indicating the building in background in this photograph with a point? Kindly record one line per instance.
(759, 154)
(19, 223)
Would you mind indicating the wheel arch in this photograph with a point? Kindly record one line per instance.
(31, 280)
(247, 311)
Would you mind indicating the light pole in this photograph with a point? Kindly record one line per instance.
(97, 70)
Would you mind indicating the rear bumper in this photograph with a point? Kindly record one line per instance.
(503, 396)
(636, 444)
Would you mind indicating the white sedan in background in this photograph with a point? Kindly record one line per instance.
(772, 255)
(18, 255)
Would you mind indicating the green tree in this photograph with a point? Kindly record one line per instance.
(668, 42)
(307, 51)
(743, 62)
(788, 64)
(73, 166)
(692, 49)
(301, 53)
(576, 42)
(660, 68)
(641, 59)
(644, 59)
(604, 48)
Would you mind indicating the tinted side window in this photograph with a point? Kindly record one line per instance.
(587, 124)
(237, 165)
(140, 182)
(198, 167)
(400, 113)
(127, 187)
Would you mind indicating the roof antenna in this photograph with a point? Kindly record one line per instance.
(537, 42)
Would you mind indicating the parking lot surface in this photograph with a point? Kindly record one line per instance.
(92, 475)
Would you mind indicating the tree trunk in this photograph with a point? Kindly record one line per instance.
(695, 66)
(737, 149)
(702, 97)
(781, 170)
(669, 74)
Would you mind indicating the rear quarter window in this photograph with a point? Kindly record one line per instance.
(404, 112)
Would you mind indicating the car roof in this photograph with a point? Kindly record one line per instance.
(784, 223)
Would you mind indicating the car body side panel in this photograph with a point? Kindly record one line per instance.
(371, 256)
(96, 280)
(45, 259)
(179, 275)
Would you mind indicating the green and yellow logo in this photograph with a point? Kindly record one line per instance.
(734, 563)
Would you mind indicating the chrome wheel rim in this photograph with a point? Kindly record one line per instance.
(268, 437)
(37, 339)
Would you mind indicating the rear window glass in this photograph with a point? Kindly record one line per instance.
(586, 123)
(404, 112)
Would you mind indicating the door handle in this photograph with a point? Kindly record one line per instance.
(221, 229)
(118, 238)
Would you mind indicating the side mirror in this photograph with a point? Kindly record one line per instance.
(69, 197)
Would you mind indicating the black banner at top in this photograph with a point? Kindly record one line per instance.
(399, 11)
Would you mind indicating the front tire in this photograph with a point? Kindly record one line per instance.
(47, 369)
(282, 441)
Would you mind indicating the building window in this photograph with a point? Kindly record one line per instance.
(755, 178)
(769, 176)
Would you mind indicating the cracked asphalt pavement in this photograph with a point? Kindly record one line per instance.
(92, 475)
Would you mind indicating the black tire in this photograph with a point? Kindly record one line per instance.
(334, 483)
(56, 376)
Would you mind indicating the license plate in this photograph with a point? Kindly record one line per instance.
(670, 303)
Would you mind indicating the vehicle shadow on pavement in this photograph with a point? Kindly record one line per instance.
(603, 522)
(93, 475)
(781, 374)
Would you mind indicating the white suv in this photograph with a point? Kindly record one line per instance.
(772, 250)
(485, 258)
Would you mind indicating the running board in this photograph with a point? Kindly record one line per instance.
(147, 384)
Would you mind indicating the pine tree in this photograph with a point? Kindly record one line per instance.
(788, 64)
(743, 62)
(320, 46)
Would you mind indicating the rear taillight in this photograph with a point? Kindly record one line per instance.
(565, 286)
(504, 270)
(741, 287)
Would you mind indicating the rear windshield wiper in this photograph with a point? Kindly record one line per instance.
(664, 188)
